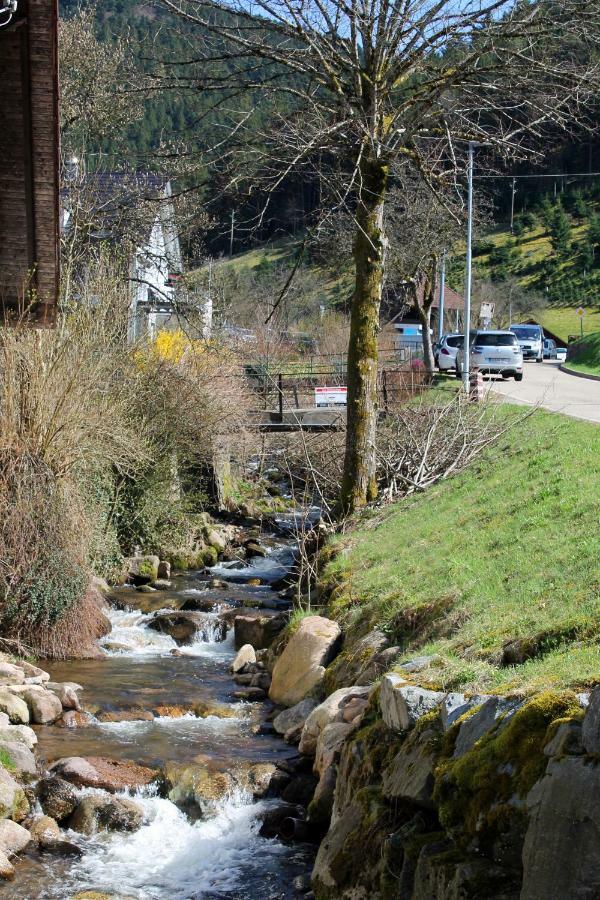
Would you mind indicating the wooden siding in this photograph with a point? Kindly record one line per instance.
(29, 157)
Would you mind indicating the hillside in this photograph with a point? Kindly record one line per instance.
(584, 355)
(494, 571)
(554, 253)
(252, 279)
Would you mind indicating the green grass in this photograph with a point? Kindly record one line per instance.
(563, 320)
(584, 355)
(507, 551)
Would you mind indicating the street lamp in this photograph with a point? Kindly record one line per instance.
(469, 278)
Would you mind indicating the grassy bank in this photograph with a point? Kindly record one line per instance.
(495, 571)
(584, 355)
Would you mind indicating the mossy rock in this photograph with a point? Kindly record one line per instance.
(479, 793)
(208, 556)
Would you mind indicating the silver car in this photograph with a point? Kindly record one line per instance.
(445, 355)
(494, 353)
(531, 341)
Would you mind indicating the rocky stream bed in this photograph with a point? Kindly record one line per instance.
(163, 785)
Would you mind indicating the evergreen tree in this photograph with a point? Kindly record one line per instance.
(560, 231)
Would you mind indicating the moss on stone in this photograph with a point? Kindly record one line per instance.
(503, 766)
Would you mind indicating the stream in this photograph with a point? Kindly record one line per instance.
(172, 856)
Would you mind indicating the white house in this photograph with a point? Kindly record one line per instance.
(136, 212)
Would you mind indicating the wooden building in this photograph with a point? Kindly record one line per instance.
(29, 161)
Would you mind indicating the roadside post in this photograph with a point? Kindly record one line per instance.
(581, 314)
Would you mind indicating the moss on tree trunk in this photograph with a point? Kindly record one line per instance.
(359, 484)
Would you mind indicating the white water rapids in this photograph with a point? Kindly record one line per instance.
(131, 635)
(170, 857)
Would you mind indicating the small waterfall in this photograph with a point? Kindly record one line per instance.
(131, 635)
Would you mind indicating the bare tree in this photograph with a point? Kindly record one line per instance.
(371, 82)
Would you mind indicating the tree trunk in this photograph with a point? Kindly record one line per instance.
(425, 320)
(359, 484)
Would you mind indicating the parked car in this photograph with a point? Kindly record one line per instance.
(494, 353)
(549, 348)
(531, 341)
(445, 355)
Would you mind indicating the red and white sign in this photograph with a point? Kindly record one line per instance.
(331, 396)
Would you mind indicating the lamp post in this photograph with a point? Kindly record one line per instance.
(469, 277)
(442, 296)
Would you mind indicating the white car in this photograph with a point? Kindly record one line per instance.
(494, 353)
(531, 341)
(561, 354)
(445, 356)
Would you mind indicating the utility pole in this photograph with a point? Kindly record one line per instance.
(231, 233)
(442, 296)
(512, 204)
(469, 278)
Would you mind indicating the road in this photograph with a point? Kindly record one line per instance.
(554, 390)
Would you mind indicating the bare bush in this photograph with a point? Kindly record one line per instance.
(422, 443)
(419, 443)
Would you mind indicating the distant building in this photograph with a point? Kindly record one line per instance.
(135, 214)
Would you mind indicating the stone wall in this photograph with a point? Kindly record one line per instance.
(427, 795)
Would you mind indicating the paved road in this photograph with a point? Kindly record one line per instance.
(554, 390)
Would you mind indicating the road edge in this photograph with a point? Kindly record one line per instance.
(564, 369)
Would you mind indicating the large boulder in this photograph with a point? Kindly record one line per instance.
(331, 710)
(455, 705)
(301, 667)
(402, 704)
(44, 706)
(57, 797)
(15, 707)
(142, 569)
(291, 721)
(258, 778)
(99, 812)
(100, 772)
(561, 853)
(258, 631)
(321, 805)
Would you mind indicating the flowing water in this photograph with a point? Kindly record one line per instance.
(171, 856)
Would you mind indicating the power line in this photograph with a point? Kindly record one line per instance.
(551, 175)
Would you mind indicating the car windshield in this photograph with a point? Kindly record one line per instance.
(455, 341)
(527, 332)
(494, 340)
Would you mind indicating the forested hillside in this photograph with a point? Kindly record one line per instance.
(554, 247)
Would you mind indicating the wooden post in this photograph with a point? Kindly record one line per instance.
(280, 393)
